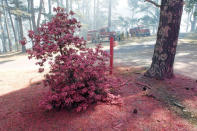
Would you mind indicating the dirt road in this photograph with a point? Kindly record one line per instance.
(16, 68)
(140, 54)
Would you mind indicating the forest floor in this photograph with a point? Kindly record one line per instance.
(144, 104)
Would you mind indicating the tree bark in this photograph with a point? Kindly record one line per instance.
(167, 38)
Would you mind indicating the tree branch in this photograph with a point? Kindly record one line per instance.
(152, 2)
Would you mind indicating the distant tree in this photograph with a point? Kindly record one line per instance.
(191, 9)
(71, 4)
(17, 4)
(6, 25)
(49, 6)
(150, 17)
(12, 23)
(67, 6)
(40, 12)
(3, 39)
(125, 23)
(109, 13)
(167, 38)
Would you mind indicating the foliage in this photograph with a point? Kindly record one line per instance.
(126, 22)
(77, 74)
(150, 16)
(189, 5)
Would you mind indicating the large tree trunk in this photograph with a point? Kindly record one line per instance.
(167, 38)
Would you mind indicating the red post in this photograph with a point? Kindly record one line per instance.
(111, 54)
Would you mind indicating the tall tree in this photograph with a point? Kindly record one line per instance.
(20, 22)
(150, 17)
(193, 22)
(2, 35)
(71, 4)
(29, 11)
(12, 23)
(167, 38)
(191, 9)
(7, 28)
(94, 22)
(39, 14)
(109, 13)
(58, 3)
(67, 6)
(33, 15)
(49, 4)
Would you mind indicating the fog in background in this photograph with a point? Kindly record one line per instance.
(19, 16)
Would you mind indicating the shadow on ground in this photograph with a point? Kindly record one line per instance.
(19, 111)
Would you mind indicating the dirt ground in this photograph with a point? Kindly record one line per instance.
(143, 104)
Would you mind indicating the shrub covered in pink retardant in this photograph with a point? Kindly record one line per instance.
(78, 75)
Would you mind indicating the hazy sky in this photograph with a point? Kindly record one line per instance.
(122, 8)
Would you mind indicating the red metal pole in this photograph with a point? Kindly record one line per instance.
(111, 54)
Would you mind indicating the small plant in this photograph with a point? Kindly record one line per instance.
(77, 76)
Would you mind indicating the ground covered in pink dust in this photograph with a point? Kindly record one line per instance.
(143, 105)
